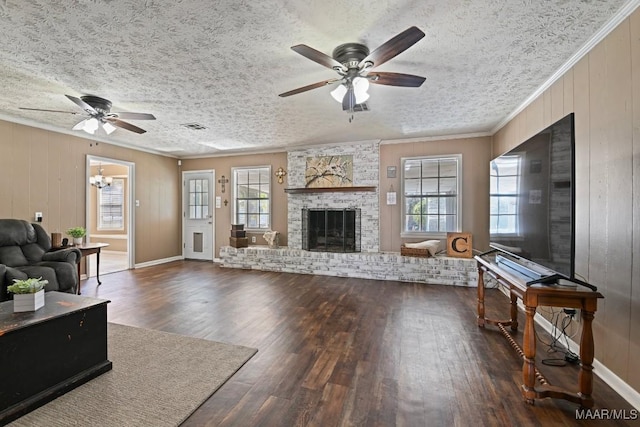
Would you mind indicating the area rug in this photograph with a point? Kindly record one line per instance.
(158, 379)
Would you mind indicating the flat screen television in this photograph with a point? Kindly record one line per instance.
(532, 196)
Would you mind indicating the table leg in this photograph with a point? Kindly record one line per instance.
(585, 377)
(480, 297)
(98, 267)
(529, 364)
(78, 290)
(514, 312)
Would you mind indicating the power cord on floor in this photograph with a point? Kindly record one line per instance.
(561, 320)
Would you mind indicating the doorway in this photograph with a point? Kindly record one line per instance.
(109, 213)
(198, 215)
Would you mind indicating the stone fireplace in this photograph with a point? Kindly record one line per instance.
(331, 230)
(366, 159)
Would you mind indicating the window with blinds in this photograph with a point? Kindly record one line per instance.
(111, 206)
(431, 195)
(252, 197)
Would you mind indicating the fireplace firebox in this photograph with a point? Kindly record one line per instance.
(331, 230)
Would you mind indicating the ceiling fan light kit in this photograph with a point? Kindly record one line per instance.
(100, 115)
(354, 63)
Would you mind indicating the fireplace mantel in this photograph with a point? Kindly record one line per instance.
(303, 190)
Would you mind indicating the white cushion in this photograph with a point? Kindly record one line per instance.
(430, 245)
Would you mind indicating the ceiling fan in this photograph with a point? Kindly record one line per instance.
(354, 63)
(99, 111)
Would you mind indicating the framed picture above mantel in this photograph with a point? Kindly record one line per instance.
(329, 171)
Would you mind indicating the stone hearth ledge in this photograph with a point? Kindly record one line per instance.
(438, 270)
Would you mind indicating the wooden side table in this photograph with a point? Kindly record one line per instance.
(87, 249)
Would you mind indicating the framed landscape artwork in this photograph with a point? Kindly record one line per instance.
(329, 171)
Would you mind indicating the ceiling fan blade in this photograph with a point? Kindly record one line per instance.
(49, 111)
(393, 47)
(134, 116)
(395, 79)
(317, 56)
(124, 125)
(349, 100)
(80, 103)
(309, 87)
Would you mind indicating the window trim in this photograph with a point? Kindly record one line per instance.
(99, 225)
(234, 187)
(431, 234)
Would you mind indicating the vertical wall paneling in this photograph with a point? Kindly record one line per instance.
(557, 100)
(535, 117)
(54, 193)
(568, 92)
(546, 113)
(634, 336)
(38, 174)
(618, 139)
(67, 184)
(582, 155)
(598, 209)
(6, 175)
(20, 182)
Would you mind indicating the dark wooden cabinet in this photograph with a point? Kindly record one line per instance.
(47, 352)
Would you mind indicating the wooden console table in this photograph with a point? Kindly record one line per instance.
(533, 296)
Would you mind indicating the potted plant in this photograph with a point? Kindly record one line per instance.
(28, 294)
(77, 233)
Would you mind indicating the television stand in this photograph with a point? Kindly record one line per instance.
(532, 296)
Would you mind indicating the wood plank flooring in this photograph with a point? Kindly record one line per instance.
(345, 352)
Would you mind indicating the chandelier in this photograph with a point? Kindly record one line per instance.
(99, 180)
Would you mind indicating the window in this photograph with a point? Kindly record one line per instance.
(252, 197)
(198, 198)
(111, 206)
(431, 195)
(504, 184)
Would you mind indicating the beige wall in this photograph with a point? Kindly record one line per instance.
(222, 166)
(45, 171)
(603, 90)
(476, 154)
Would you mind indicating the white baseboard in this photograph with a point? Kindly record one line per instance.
(159, 261)
(615, 382)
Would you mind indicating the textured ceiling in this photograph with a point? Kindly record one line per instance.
(222, 65)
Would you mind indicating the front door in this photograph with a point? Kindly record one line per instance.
(198, 215)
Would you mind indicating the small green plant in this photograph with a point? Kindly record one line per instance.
(27, 286)
(76, 232)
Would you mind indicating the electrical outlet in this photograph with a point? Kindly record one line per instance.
(253, 239)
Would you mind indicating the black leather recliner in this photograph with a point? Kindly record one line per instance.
(24, 253)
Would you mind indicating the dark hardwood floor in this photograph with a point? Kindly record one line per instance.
(345, 352)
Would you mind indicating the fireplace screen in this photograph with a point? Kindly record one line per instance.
(331, 230)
